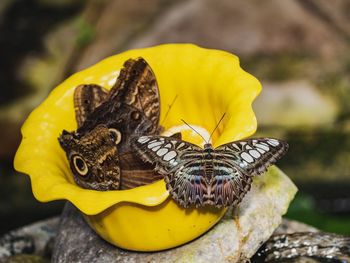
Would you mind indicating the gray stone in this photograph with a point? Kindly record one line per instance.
(291, 226)
(32, 241)
(236, 237)
(44, 231)
(304, 247)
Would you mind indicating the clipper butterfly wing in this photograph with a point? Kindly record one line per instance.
(220, 177)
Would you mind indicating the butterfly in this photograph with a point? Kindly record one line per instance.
(93, 158)
(131, 107)
(219, 177)
(107, 120)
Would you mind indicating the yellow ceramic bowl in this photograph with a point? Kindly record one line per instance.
(207, 84)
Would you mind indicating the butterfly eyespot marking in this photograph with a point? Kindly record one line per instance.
(80, 165)
(135, 115)
(116, 135)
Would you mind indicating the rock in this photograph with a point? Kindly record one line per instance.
(281, 104)
(236, 237)
(27, 259)
(51, 225)
(305, 247)
(31, 243)
(292, 226)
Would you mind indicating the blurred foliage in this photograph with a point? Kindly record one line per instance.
(22, 29)
(337, 85)
(17, 203)
(86, 32)
(304, 209)
(276, 68)
(317, 155)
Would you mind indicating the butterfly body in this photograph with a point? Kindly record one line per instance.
(219, 177)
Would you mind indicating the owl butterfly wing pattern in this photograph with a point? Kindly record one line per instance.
(135, 173)
(131, 107)
(137, 86)
(180, 162)
(87, 98)
(93, 158)
(122, 111)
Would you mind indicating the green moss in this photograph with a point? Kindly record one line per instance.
(272, 181)
(272, 177)
(86, 32)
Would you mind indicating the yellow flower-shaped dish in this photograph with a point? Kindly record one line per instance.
(207, 84)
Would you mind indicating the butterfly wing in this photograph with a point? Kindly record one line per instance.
(253, 156)
(181, 164)
(205, 178)
(166, 152)
(93, 158)
(87, 98)
(234, 165)
(228, 185)
(189, 185)
(137, 86)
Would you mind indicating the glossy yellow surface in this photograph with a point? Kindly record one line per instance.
(207, 84)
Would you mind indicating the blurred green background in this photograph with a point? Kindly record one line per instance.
(298, 49)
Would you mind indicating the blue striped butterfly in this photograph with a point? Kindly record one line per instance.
(219, 177)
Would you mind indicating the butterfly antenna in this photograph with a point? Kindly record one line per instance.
(217, 125)
(194, 130)
(169, 107)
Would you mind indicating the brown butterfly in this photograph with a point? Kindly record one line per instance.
(211, 176)
(109, 120)
(93, 158)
